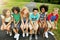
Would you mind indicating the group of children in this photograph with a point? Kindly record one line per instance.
(33, 21)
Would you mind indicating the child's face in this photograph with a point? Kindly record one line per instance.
(35, 11)
(25, 11)
(55, 12)
(8, 13)
(15, 12)
(42, 10)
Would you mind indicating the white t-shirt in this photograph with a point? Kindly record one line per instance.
(6, 19)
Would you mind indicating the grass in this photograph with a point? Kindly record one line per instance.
(11, 3)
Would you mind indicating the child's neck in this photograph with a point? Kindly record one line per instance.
(42, 12)
(16, 13)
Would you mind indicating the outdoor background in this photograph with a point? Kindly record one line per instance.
(21, 3)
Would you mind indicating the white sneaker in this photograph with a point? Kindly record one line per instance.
(46, 34)
(36, 37)
(30, 38)
(10, 34)
(51, 33)
(17, 37)
(7, 32)
(27, 34)
(23, 34)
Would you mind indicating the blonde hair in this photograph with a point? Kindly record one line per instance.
(56, 9)
(22, 13)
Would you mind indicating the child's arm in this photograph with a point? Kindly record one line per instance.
(9, 23)
(22, 19)
(3, 20)
(31, 23)
(14, 23)
(26, 20)
(17, 22)
(45, 17)
(56, 20)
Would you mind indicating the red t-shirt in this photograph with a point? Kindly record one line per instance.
(50, 15)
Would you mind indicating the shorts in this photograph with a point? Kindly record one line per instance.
(6, 23)
(49, 25)
(25, 21)
(18, 25)
(35, 26)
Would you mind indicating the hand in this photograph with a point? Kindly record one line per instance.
(5, 26)
(15, 25)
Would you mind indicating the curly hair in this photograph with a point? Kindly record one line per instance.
(45, 7)
(16, 8)
(35, 9)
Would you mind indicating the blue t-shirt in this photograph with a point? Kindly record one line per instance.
(53, 18)
(34, 17)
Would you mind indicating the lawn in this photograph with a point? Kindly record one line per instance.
(12, 3)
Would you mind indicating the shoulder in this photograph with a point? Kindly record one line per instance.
(37, 14)
(50, 14)
(2, 16)
(57, 15)
(12, 14)
(30, 14)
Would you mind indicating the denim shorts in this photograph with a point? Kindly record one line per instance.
(18, 25)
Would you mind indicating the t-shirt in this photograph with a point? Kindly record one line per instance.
(52, 18)
(6, 19)
(42, 16)
(34, 17)
(16, 17)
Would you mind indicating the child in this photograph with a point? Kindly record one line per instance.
(42, 19)
(6, 21)
(33, 25)
(24, 20)
(52, 20)
(16, 21)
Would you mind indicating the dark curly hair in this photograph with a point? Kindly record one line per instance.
(45, 7)
(16, 8)
(35, 9)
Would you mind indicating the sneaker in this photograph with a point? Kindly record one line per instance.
(36, 37)
(7, 32)
(17, 37)
(27, 34)
(30, 37)
(10, 34)
(51, 33)
(46, 34)
(23, 34)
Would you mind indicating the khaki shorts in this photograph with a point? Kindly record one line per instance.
(35, 26)
(49, 25)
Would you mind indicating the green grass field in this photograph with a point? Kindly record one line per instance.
(11, 3)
